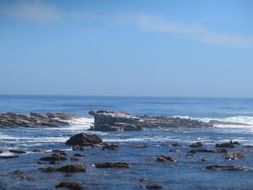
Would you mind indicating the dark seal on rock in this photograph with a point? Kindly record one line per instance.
(165, 159)
(84, 139)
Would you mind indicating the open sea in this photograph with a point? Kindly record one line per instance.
(186, 174)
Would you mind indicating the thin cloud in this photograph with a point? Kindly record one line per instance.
(193, 31)
(31, 11)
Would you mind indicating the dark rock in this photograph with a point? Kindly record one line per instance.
(70, 185)
(120, 121)
(191, 153)
(36, 150)
(53, 158)
(84, 139)
(78, 155)
(60, 152)
(229, 168)
(234, 156)
(207, 150)
(229, 144)
(75, 159)
(196, 145)
(112, 165)
(9, 157)
(176, 145)
(17, 151)
(165, 159)
(48, 169)
(72, 168)
(10, 120)
(154, 186)
(107, 146)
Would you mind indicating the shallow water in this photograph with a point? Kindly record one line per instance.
(187, 173)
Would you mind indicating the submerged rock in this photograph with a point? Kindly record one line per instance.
(70, 185)
(165, 159)
(84, 139)
(17, 151)
(9, 157)
(229, 168)
(107, 146)
(196, 145)
(69, 168)
(120, 121)
(112, 165)
(230, 144)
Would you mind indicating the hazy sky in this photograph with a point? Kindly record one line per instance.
(127, 47)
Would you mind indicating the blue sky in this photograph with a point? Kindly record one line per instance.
(127, 47)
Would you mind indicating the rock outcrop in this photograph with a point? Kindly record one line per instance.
(120, 121)
(10, 120)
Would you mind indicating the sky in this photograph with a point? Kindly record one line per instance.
(195, 48)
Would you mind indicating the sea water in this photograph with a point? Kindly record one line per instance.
(187, 173)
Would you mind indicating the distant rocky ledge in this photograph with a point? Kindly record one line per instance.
(105, 120)
(10, 120)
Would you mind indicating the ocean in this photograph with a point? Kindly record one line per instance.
(188, 173)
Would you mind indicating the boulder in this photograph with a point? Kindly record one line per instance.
(69, 185)
(230, 144)
(196, 145)
(84, 139)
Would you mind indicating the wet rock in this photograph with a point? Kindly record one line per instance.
(176, 145)
(53, 158)
(165, 159)
(36, 150)
(105, 120)
(48, 169)
(72, 168)
(234, 156)
(60, 152)
(196, 145)
(154, 186)
(70, 185)
(107, 146)
(78, 155)
(84, 139)
(10, 120)
(230, 144)
(191, 153)
(22, 175)
(9, 157)
(207, 150)
(229, 168)
(17, 151)
(74, 159)
(112, 165)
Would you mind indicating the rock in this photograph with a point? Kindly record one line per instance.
(10, 120)
(154, 186)
(36, 150)
(176, 145)
(84, 139)
(69, 168)
(196, 145)
(75, 159)
(48, 169)
(70, 185)
(120, 121)
(229, 168)
(60, 152)
(217, 122)
(72, 168)
(107, 146)
(234, 156)
(207, 150)
(78, 155)
(165, 159)
(191, 153)
(112, 165)
(229, 144)
(21, 174)
(9, 157)
(53, 158)
(17, 151)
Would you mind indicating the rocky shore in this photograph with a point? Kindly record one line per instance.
(105, 120)
(10, 120)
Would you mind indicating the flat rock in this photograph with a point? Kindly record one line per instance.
(84, 139)
(112, 165)
(230, 144)
(163, 158)
(9, 157)
(105, 120)
(11, 120)
(229, 168)
(196, 145)
(70, 185)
